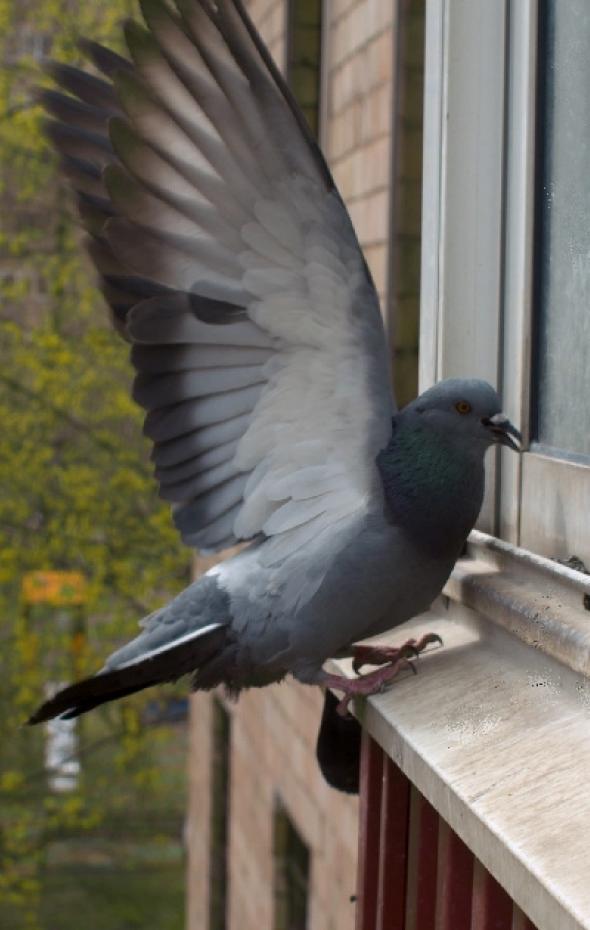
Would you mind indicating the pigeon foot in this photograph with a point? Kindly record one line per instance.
(371, 683)
(383, 655)
(392, 661)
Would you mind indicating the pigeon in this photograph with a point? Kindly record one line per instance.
(231, 266)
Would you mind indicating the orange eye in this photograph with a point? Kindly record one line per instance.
(463, 407)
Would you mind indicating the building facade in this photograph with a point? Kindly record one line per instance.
(457, 131)
(271, 845)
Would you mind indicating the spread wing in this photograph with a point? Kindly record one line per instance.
(230, 261)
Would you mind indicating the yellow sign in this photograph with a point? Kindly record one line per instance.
(58, 589)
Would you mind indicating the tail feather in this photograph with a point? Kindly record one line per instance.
(167, 663)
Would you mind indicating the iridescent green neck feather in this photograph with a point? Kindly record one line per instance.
(433, 486)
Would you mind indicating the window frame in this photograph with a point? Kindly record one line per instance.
(319, 65)
(286, 837)
(549, 521)
(478, 272)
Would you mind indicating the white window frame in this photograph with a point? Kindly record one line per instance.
(477, 252)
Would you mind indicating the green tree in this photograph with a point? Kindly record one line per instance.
(76, 490)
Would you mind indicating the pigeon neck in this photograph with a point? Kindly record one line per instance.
(433, 487)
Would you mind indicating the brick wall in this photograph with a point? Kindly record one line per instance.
(357, 134)
(274, 730)
(379, 173)
(273, 734)
(270, 17)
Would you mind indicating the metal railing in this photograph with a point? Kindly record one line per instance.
(415, 873)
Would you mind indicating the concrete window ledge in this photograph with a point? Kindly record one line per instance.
(495, 729)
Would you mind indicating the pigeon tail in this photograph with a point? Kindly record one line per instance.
(165, 663)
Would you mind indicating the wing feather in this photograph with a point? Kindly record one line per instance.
(197, 485)
(166, 390)
(199, 441)
(226, 252)
(162, 359)
(196, 465)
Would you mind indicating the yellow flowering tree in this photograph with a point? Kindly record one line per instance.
(76, 491)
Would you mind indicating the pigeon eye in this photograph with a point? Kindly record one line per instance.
(463, 407)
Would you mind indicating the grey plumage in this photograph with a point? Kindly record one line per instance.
(106, 61)
(86, 87)
(194, 466)
(199, 443)
(161, 360)
(231, 265)
(68, 109)
(79, 142)
(172, 388)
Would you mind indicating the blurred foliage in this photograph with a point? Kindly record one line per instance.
(76, 492)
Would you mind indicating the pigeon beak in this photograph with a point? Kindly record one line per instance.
(502, 431)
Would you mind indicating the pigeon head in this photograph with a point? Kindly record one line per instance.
(432, 470)
(466, 409)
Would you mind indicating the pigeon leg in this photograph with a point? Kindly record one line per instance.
(384, 655)
(372, 683)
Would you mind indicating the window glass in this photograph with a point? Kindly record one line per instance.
(562, 365)
(220, 771)
(291, 874)
(304, 45)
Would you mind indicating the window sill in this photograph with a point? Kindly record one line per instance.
(539, 601)
(495, 729)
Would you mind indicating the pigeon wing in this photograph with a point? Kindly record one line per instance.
(227, 254)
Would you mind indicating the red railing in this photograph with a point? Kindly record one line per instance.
(414, 871)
